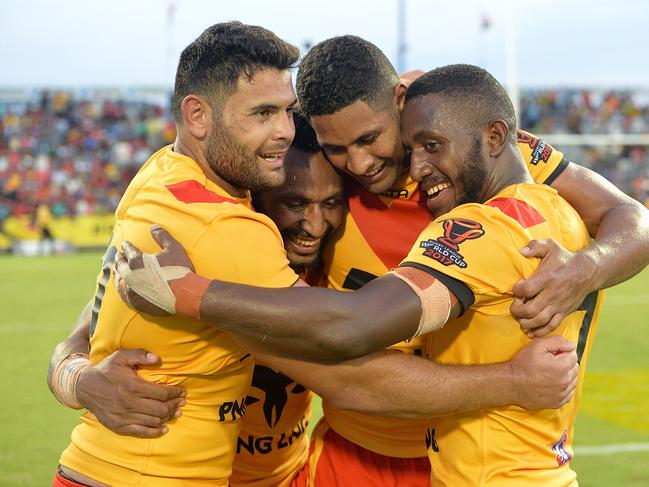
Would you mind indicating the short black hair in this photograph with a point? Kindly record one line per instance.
(485, 98)
(213, 63)
(339, 71)
(305, 138)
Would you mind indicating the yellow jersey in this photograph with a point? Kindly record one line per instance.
(506, 446)
(226, 240)
(377, 234)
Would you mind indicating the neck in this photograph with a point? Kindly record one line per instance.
(194, 149)
(509, 169)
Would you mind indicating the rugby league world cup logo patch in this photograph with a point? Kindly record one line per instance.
(445, 249)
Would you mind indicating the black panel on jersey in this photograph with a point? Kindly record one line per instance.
(462, 292)
(357, 278)
(587, 305)
(557, 172)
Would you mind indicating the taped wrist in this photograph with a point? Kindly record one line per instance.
(65, 378)
(189, 291)
(152, 281)
(433, 295)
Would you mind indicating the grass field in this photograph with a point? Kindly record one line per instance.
(41, 297)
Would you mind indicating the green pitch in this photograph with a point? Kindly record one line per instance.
(41, 297)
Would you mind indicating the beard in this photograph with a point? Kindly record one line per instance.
(236, 164)
(473, 175)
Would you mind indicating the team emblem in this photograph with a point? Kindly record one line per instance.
(445, 249)
(563, 455)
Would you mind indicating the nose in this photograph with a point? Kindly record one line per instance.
(314, 222)
(419, 166)
(359, 161)
(285, 127)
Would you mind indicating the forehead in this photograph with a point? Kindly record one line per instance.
(307, 174)
(349, 123)
(267, 86)
(427, 113)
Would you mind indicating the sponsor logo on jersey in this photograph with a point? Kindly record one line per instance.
(263, 445)
(541, 150)
(559, 448)
(445, 249)
(232, 410)
(431, 442)
(274, 386)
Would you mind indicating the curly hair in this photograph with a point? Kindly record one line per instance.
(339, 71)
(212, 65)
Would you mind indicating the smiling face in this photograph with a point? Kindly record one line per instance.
(446, 159)
(363, 142)
(248, 142)
(307, 208)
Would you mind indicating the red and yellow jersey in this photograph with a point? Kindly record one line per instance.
(505, 446)
(226, 240)
(377, 234)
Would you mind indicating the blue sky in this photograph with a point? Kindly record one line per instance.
(131, 42)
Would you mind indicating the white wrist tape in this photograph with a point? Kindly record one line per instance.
(152, 281)
(434, 296)
(65, 378)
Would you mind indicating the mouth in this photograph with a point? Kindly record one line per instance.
(374, 174)
(304, 245)
(440, 196)
(274, 159)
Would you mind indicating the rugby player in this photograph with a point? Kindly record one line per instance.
(233, 105)
(272, 448)
(460, 126)
(353, 97)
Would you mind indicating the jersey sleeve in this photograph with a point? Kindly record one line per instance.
(471, 250)
(544, 162)
(246, 249)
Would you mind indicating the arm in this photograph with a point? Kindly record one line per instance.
(112, 390)
(390, 383)
(297, 322)
(563, 279)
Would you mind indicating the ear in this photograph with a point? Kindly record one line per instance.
(399, 95)
(197, 116)
(497, 137)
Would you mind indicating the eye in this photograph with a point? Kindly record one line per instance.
(295, 205)
(333, 149)
(332, 204)
(431, 146)
(368, 140)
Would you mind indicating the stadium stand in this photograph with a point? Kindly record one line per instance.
(67, 156)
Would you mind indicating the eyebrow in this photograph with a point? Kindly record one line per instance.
(270, 106)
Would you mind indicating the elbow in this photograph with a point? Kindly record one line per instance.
(340, 341)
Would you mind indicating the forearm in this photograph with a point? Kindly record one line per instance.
(391, 383)
(610, 265)
(314, 323)
(77, 342)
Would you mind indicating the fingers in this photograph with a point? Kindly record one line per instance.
(557, 344)
(141, 431)
(547, 329)
(538, 248)
(162, 237)
(131, 251)
(134, 357)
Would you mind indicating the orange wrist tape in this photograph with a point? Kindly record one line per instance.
(189, 291)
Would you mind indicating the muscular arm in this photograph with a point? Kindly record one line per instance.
(391, 383)
(563, 279)
(112, 389)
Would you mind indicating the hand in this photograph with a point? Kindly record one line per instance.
(146, 288)
(545, 373)
(555, 290)
(124, 402)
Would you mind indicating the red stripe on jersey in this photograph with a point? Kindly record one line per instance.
(520, 211)
(194, 192)
(392, 230)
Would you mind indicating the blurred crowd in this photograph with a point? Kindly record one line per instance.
(68, 155)
(582, 112)
(65, 154)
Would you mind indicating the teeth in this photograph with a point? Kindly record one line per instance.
(269, 157)
(305, 243)
(437, 188)
(374, 171)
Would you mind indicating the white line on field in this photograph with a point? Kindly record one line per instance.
(607, 449)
